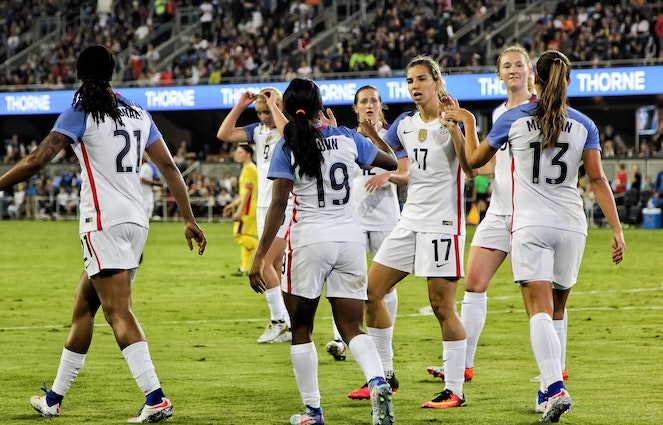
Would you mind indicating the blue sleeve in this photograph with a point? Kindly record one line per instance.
(280, 166)
(499, 134)
(391, 137)
(249, 130)
(366, 150)
(155, 134)
(71, 123)
(593, 141)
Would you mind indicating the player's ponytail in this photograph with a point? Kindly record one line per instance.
(553, 70)
(302, 103)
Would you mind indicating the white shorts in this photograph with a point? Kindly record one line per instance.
(115, 248)
(424, 254)
(261, 215)
(544, 253)
(341, 264)
(374, 239)
(494, 232)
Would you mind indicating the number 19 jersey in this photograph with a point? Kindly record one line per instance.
(323, 208)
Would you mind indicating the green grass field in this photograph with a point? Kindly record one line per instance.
(202, 324)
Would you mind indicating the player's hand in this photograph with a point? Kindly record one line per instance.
(328, 119)
(255, 275)
(618, 247)
(193, 232)
(376, 182)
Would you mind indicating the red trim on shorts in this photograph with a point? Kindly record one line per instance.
(93, 186)
(458, 259)
(459, 201)
(94, 251)
(288, 269)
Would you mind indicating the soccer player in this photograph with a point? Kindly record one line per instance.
(429, 239)
(109, 134)
(548, 140)
(376, 202)
(264, 135)
(243, 209)
(490, 244)
(316, 162)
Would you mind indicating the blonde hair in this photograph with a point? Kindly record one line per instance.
(262, 98)
(519, 49)
(553, 70)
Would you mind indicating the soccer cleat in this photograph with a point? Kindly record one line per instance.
(438, 372)
(240, 273)
(541, 402)
(155, 413)
(445, 400)
(364, 393)
(565, 376)
(39, 404)
(273, 330)
(382, 408)
(337, 349)
(310, 417)
(557, 405)
(284, 337)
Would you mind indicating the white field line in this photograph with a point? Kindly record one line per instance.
(424, 311)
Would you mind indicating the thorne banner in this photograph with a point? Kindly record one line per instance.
(600, 82)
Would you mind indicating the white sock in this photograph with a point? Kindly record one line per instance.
(140, 363)
(391, 300)
(305, 364)
(70, 364)
(366, 355)
(560, 330)
(453, 359)
(276, 304)
(382, 340)
(337, 334)
(473, 316)
(546, 348)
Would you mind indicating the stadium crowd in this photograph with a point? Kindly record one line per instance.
(237, 38)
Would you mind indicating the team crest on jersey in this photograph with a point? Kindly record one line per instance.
(422, 135)
(444, 131)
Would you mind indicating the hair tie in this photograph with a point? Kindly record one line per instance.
(300, 111)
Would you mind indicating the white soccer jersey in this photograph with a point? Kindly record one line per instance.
(323, 208)
(500, 197)
(147, 173)
(378, 210)
(545, 181)
(435, 199)
(265, 140)
(110, 157)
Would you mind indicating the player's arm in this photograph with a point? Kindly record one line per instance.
(244, 202)
(476, 154)
(280, 119)
(280, 192)
(228, 132)
(36, 160)
(606, 200)
(161, 157)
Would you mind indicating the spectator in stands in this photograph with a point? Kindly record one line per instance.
(619, 184)
(17, 208)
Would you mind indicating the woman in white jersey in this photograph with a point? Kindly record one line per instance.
(375, 198)
(429, 239)
(549, 141)
(316, 162)
(265, 135)
(109, 134)
(490, 244)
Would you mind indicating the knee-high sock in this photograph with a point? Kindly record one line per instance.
(391, 300)
(453, 359)
(561, 327)
(364, 352)
(276, 305)
(473, 316)
(140, 363)
(305, 364)
(70, 364)
(382, 340)
(546, 348)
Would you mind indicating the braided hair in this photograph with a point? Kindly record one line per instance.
(95, 96)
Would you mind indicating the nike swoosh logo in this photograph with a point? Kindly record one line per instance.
(406, 132)
(440, 265)
(161, 405)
